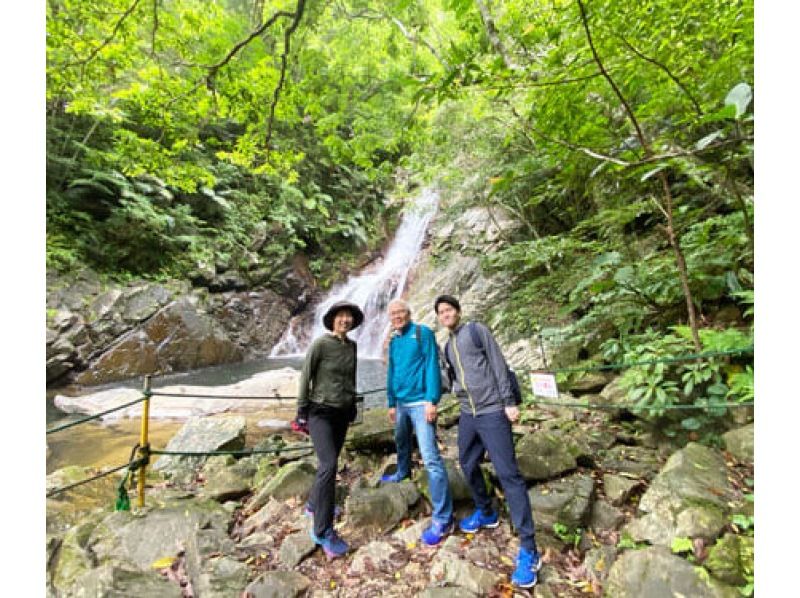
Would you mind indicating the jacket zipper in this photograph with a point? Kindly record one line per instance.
(463, 377)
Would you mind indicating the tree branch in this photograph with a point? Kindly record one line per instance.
(155, 29)
(298, 14)
(93, 54)
(494, 35)
(666, 70)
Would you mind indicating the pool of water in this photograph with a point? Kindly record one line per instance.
(103, 445)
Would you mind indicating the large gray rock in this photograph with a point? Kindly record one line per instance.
(378, 510)
(295, 548)
(544, 455)
(178, 337)
(113, 580)
(206, 434)
(618, 488)
(605, 516)
(639, 461)
(374, 556)
(222, 577)
(228, 483)
(449, 569)
(292, 480)
(655, 572)
(114, 554)
(740, 443)
(278, 584)
(376, 433)
(689, 498)
(565, 501)
(598, 561)
(459, 489)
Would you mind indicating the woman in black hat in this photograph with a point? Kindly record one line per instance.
(326, 400)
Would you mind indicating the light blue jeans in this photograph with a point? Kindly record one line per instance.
(438, 483)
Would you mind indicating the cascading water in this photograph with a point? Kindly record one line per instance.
(372, 289)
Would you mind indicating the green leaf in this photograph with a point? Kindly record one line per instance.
(681, 544)
(691, 423)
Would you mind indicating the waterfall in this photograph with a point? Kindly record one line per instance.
(372, 289)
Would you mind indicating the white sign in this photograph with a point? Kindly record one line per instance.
(544, 385)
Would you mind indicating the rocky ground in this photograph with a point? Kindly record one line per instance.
(618, 513)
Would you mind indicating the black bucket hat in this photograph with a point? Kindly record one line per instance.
(358, 315)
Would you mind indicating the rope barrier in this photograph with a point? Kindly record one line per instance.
(95, 416)
(676, 359)
(155, 393)
(588, 405)
(135, 464)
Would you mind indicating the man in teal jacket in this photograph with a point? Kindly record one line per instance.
(413, 389)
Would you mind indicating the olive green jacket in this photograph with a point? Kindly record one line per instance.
(329, 374)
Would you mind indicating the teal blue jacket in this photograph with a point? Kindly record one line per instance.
(413, 370)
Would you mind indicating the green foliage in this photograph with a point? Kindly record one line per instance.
(681, 544)
(656, 390)
(569, 536)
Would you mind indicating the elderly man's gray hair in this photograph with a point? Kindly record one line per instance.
(402, 303)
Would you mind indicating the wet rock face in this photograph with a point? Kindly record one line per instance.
(98, 333)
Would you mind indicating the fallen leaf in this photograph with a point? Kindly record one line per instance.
(163, 562)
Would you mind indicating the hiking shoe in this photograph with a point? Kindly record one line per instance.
(478, 520)
(528, 565)
(434, 534)
(332, 545)
(391, 478)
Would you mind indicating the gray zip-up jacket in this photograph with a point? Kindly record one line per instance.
(481, 383)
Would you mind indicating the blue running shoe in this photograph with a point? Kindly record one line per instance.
(332, 545)
(478, 520)
(436, 532)
(392, 478)
(528, 565)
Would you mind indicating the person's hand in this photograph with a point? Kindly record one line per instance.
(300, 425)
(392, 414)
(512, 413)
(430, 412)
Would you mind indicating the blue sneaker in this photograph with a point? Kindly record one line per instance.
(436, 532)
(478, 520)
(332, 545)
(528, 565)
(392, 478)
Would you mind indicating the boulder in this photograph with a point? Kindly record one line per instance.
(449, 569)
(618, 488)
(376, 555)
(459, 489)
(565, 501)
(278, 584)
(202, 434)
(375, 434)
(379, 509)
(121, 580)
(193, 340)
(292, 480)
(605, 516)
(589, 382)
(295, 548)
(228, 483)
(639, 461)
(689, 498)
(598, 561)
(657, 573)
(740, 443)
(544, 455)
(221, 577)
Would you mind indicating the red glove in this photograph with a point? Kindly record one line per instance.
(300, 426)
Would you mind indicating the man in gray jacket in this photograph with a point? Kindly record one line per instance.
(488, 408)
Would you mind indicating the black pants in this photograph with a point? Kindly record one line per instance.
(492, 432)
(328, 428)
